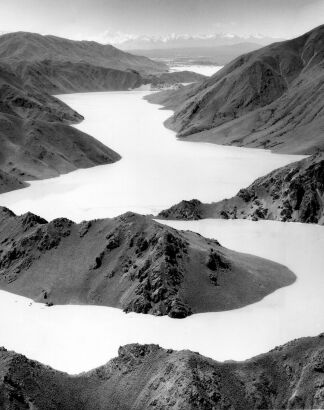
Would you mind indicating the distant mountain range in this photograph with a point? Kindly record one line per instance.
(188, 41)
(218, 55)
(218, 49)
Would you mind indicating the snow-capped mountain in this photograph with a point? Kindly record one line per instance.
(186, 41)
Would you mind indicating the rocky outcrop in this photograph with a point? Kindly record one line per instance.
(269, 98)
(185, 210)
(294, 193)
(147, 376)
(129, 262)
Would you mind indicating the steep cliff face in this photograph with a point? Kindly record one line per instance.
(270, 98)
(147, 376)
(294, 193)
(129, 262)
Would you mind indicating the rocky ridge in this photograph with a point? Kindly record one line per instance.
(129, 262)
(146, 376)
(294, 193)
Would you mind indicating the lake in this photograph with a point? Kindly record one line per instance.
(156, 171)
(203, 69)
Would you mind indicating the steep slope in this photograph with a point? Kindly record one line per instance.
(129, 262)
(19, 101)
(33, 47)
(293, 193)
(270, 98)
(9, 182)
(147, 376)
(58, 77)
(57, 65)
(36, 138)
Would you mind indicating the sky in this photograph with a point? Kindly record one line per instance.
(115, 20)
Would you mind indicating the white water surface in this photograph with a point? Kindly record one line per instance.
(155, 172)
(78, 338)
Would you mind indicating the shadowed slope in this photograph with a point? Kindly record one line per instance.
(33, 47)
(59, 65)
(9, 182)
(36, 138)
(58, 77)
(270, 98)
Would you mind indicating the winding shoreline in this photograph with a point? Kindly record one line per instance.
(272, 240)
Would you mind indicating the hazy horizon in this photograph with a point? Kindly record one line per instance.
(115, 21)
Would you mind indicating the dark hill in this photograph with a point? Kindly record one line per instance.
(129, 262)
(33, 47)
(147, 376)
(36, 138)
(9, 182)
(293, 193)
(269, 98)
(60, 77)
(58, 65)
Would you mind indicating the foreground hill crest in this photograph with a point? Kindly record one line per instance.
(290, 376)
